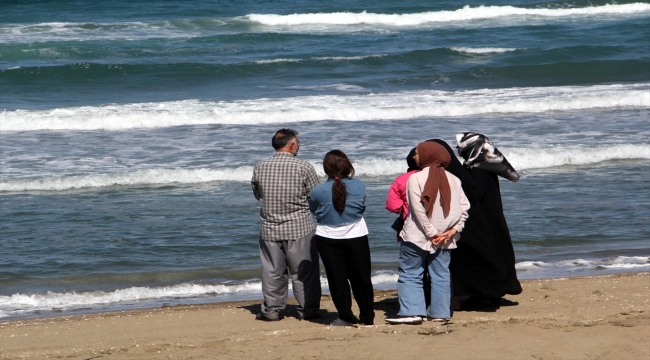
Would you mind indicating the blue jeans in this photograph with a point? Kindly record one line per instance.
(413, 261)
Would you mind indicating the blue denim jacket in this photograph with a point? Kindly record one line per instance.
(320, 203)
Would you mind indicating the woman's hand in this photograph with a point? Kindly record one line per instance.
(444, 237)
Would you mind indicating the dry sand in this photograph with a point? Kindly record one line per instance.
(597, 317)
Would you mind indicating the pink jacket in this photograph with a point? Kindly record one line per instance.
(396, 199)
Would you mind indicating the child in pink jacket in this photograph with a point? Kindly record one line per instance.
(396, 200)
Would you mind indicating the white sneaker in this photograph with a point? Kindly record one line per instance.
(339, 322)
(412, 320)
(435, 319)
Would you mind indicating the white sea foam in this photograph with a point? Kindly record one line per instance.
(280, 60)
(346, 58)
(339, 87)
(70, 31)
(539, 269)
(482, 50)
(464, 14)
(324, 58)
(71, 300)
(140, 177)
(521, 158)
(551, 157)
(375, 106)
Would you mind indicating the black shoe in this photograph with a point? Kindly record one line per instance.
(262, 317)
(506, 302)
(478, 303)
(310, 317)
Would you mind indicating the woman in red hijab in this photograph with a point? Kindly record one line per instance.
(437, 213)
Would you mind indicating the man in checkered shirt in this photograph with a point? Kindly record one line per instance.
(282, 185)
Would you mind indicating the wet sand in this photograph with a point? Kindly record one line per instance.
(595, 317)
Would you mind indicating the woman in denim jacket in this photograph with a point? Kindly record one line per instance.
(342, 238)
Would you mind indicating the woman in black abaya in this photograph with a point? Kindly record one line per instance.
(483, 265)
(484, 163)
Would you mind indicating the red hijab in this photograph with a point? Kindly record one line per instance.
(436, 157)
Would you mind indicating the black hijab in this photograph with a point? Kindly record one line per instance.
(479, 152)
(410, 161)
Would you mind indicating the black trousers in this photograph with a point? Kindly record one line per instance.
(348, 260)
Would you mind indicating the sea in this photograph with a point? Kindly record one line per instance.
(129, 131)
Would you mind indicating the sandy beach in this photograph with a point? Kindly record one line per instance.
(596, 317)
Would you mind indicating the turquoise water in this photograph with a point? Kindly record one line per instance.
(129, 130)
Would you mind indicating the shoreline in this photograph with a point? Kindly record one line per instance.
(202, 299)
(598, 316)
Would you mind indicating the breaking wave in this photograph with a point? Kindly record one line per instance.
(575, 267)
(311, 22)
(464, 14)
(322, 58)
(19, 304)
(521, 158)
(482, 50)
(375, 106)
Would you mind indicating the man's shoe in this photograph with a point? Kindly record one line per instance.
(262, 317)
(339, 322)
(411, 320)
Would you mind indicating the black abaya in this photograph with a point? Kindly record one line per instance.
(488, 195)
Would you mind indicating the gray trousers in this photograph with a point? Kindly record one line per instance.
(300, 258)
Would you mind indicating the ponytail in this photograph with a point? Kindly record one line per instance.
(337, 166)
(339, 194)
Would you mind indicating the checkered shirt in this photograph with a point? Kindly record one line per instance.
(282, 185)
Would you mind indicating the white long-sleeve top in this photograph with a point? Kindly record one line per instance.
(419, 228)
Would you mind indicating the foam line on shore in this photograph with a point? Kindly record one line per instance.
(541, 269)
(62, 301)
(354, 107)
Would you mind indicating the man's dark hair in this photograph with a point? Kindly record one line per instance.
(282, 137)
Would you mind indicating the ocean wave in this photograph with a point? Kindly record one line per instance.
(309, 22)
(49, 301)
(551, 157)
(61, 301)
(322, 58)
(135, 178)
(530, 158)
(481, 50)
(71, 31)
(279, 60)
(338, 87)
(464, 14)
(540, 269)
(375, 106)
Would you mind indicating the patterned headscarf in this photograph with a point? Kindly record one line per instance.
(479, 152)
(436, 157)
